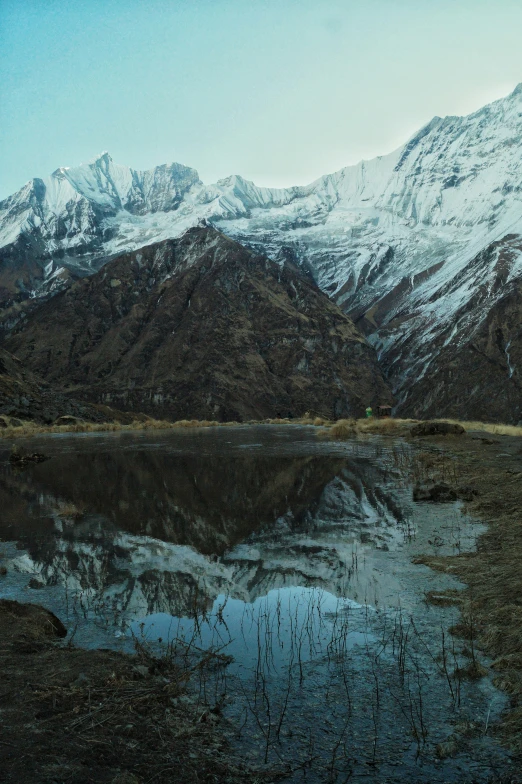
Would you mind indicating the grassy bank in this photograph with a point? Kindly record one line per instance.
(491, 602)
(28, 428)
(401, 427)
(342, 428)
(81, 716)
(488, 470)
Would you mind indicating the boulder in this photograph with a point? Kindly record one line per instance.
(36, 583)
(66, 420)
(437, 429)
(30, 620)
(439, 493)
(467, 493)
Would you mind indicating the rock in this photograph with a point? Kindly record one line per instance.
(473, 376)
(467, 493)
(437, 429)
(66, 420)
(22, 394)
(447, 749)
(36, 583)
(439, 493)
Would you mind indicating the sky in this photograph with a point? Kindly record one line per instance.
(279, 91)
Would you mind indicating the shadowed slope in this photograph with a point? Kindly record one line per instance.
(202, 327)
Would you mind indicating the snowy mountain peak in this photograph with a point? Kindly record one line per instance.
(403, 242)
(103, 158)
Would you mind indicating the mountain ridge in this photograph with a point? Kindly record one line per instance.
(201, 327)
(400, 242)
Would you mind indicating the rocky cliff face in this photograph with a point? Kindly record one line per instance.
(23, 396)
(469, 369)
(201, 327)
(404, 243)
(68, 222)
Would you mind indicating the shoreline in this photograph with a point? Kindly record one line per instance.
(340, 429)
(84, 715)
(490, 472)
(490, 602)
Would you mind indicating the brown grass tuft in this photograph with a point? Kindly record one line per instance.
(344, 428)
(471, 672)
(448, 598)
(70, 509)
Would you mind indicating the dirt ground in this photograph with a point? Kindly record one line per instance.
(71, 715)
(488, 469)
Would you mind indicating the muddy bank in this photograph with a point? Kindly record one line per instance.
(489, 468)
(72, 715)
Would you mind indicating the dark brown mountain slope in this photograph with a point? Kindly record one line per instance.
(24, 396)
(201, 327)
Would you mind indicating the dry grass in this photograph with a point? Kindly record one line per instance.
(81, 716)
(28, 428)
(472, 671)
(70, 510)
(399, 427)
(491, 609)
(32, 428)
(382, 426)
(342, 428)
(487, 427)
(348, 428)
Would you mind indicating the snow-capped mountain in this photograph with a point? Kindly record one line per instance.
(418, 246)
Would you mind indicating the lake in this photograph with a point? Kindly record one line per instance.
(287, 556)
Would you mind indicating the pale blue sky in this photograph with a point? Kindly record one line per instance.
(280, 91)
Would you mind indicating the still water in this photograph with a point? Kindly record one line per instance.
(288, 556)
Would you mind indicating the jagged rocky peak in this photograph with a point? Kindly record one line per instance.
(108, 187)
(107, 183)
(399, 242)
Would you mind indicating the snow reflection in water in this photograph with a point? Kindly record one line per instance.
(288, 554)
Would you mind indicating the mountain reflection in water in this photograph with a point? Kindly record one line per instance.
(148, 531)
(291, 554)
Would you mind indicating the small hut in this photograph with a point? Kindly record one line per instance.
(384, 411)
